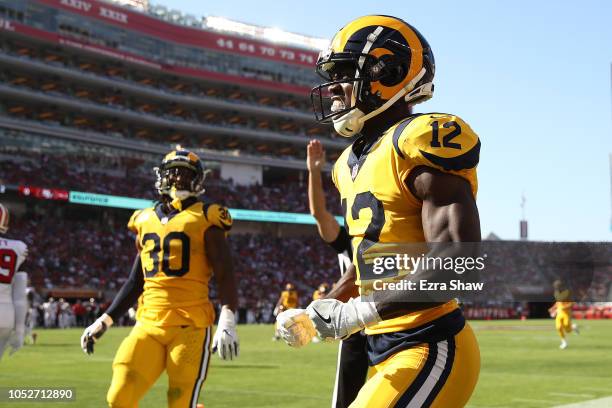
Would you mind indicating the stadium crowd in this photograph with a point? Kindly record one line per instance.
(134, 178)
(263, 264)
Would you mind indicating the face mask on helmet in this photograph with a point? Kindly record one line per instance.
(371, 73)
(180, 176)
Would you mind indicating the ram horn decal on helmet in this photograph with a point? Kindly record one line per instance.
(385, 59)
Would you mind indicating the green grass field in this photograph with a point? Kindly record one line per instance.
(521, 367)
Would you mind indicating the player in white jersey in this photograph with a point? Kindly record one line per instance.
(13, 303)
(32, 315)
(65, 314)
(50, 313)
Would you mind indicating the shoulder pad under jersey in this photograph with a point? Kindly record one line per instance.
(132, 222)
(218, 216)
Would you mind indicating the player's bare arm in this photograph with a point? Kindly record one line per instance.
(449, 214)
(225, 341)
(220, 258)
(345, 287)
(126, 297)
(449, 210)
(326, 223)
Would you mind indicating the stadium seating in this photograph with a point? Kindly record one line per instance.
(134, 178)
(263, 264)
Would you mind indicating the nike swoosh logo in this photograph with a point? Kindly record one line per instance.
(325, 320)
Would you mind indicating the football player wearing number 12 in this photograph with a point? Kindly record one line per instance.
(181, 242)
(407, 178)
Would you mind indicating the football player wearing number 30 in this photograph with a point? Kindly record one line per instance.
(406, 178)
(181, 242)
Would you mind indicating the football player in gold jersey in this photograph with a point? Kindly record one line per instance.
(181, 241)
(288, 299)
(406, 178)
(562, 312)
(320, 292)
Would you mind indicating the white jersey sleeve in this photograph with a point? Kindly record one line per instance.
(12, 255)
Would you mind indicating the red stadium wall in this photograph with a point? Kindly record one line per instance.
(151, 26)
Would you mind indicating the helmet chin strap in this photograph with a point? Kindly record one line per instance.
(180, 194)
(352, 122)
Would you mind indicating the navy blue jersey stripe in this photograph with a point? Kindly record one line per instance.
(397, 133)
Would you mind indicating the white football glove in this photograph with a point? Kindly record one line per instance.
(94, 332)
(335, 320)
(295, 327)
(16, 339)
(225, 341)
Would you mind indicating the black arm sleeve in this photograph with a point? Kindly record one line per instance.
(342, 242)
(129, 292)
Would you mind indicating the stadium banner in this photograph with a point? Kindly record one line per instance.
(16, 27)
(103, 200)
(157, 28)
(43, 193)
(79, 197)
(275, 216)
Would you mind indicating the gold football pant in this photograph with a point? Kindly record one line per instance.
(563, 324)
(183, 351)
(441, 374)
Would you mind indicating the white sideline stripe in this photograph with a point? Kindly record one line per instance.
(571, 394)
(531, 400)
(595, 389)
(605, 402)
(335, 395)
(432, 379)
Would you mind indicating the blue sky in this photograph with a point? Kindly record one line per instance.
(531, 78)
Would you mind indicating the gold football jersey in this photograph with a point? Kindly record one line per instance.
(378, 206)
(174, 262)
(563, 301)
(289, 299)
(564, 307)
